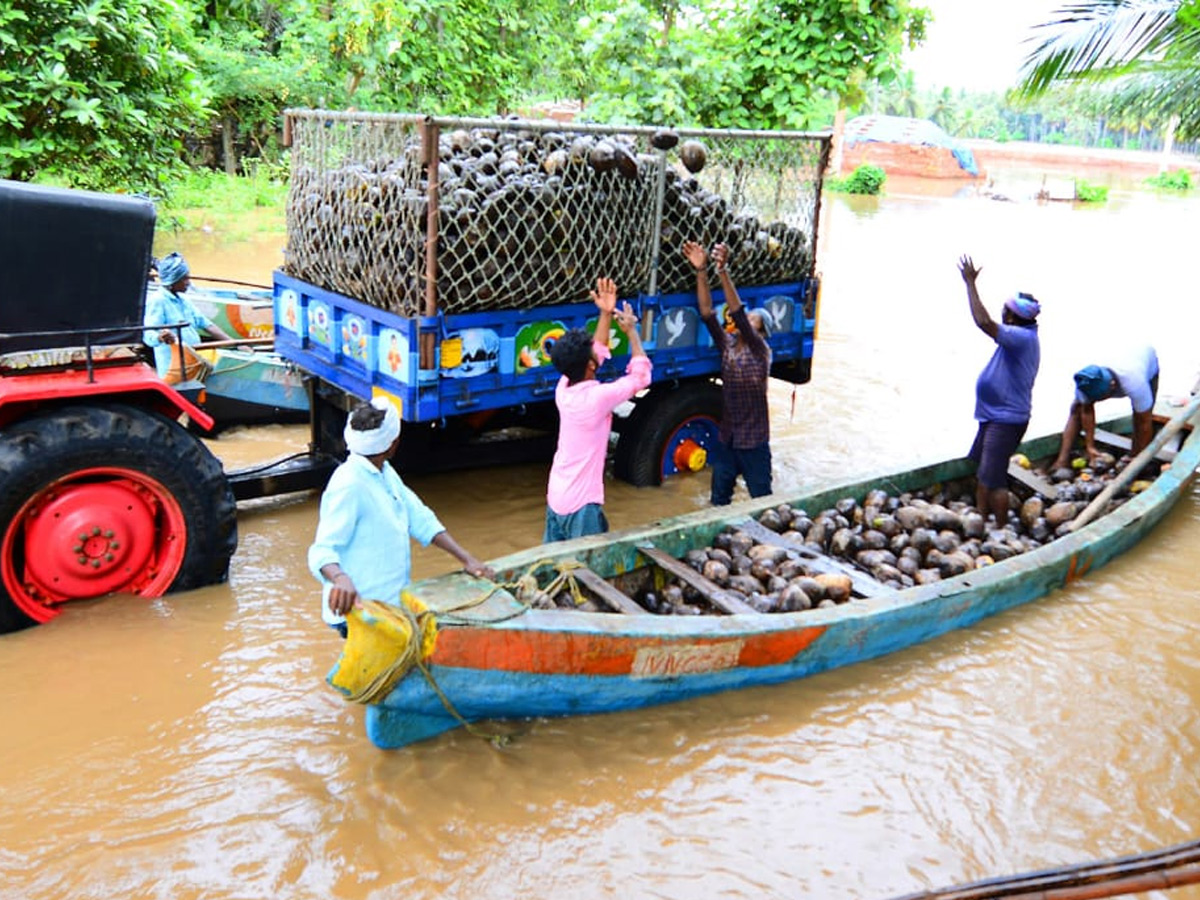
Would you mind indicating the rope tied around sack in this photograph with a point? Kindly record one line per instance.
(406, 634)
(525, 591)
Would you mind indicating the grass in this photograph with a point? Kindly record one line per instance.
(232, 205)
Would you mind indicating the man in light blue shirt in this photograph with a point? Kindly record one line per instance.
(368, 515)
(1134, 375)
(166, 306)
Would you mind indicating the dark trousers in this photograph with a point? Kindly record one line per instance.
(753, 464)
(995, 443)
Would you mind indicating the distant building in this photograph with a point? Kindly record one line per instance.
(903, 146)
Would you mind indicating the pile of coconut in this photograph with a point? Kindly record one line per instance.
(899, 540)
(525, 219)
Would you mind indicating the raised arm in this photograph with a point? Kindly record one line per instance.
(721, 258)
(980, 314)
(605, 298)
(697, 256)
(627, 321)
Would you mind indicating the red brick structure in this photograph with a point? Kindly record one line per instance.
(916, 160)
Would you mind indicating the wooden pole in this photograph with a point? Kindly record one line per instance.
(1127, 475)
(244, 342)
(249, 284)
(1154, 870)
(429, 139)
(1137, 884)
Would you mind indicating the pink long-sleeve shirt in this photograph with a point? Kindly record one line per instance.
(585, 420)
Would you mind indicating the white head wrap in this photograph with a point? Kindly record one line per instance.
(377, 440)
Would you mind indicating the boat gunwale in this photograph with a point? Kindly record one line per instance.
(1163, 492)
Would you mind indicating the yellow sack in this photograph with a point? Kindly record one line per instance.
(380, 649)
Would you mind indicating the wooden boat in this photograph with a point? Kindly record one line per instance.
(494, 657)
(246, 313)
(252, 387)
(247, 385)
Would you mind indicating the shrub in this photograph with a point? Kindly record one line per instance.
(1179, 180)
(1090, 193)
(863, 180)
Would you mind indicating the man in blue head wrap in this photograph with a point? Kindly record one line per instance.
(167, 306)
(1135, 377)
(1003, 391)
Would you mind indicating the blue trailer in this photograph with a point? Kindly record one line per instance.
(435, 261)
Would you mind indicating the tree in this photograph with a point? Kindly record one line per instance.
(99, 92)
(770, 64)
(902, 97)
(799, 51)
(1148, 51)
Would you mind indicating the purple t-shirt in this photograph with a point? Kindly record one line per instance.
(1004, 390)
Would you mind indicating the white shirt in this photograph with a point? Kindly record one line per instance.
(367, 517)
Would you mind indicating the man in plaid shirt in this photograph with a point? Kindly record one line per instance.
(744, 440)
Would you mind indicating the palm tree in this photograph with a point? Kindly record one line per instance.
(1147, 51)
(901, 97)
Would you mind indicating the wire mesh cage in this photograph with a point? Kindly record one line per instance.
(416, 214)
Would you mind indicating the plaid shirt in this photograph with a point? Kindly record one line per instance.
(745, 421)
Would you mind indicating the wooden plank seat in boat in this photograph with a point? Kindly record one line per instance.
(718, 596)
(1124, 443)
(1032, 480)
(861, 583)
(614, 599)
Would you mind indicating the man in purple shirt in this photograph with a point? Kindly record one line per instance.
(743, 444)
(1003, 391)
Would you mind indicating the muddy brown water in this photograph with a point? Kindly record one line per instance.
(188, 748)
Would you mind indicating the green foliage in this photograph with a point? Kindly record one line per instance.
(798, 50)
(763, 65)
(99, 94)
(1081, 116)
(1178, 180)
(637, 72)
(1148, 53)
(1090, 193)
(247, 84)
(865, 179)
(450, 57)
(202, 198)
(204, 188)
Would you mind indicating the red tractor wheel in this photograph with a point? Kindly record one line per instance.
(112, 500)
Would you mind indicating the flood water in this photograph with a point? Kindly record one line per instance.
(188, 747)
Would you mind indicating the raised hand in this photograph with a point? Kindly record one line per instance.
(695, 254)
(605, 295)
(968, 269)
(720, 255)
(627, 319)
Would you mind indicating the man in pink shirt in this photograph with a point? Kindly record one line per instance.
(575, 496)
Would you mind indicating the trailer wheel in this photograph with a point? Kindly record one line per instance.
(665, 431)
(103, 500)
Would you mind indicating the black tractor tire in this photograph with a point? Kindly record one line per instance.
(644, 435)
(136, 475)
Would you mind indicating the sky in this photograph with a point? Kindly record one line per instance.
(977, 46)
